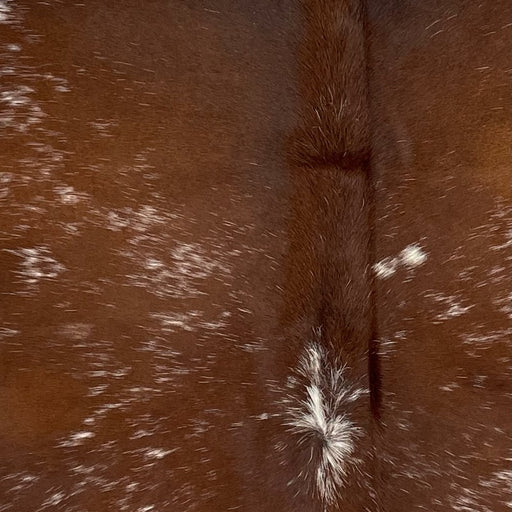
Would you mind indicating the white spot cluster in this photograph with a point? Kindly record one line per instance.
(54, 499)
(18, 110)
(68, 195)
(322, 415)
(488, 491)
(157, 453)
(179, 272)
(452, 305)
(77, 439)
(140, 220)
(37, 263)
(411, 257)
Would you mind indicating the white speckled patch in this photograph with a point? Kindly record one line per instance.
(411, 257)
(316, 411)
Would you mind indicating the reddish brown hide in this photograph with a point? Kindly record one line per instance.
(171, 285)
(440, 101)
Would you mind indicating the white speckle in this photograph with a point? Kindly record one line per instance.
(413, 256)
(476, 498)
(76, 331)
(71, 228)
(68, 195)
(97, 390)
(5, 332)
(29, 478)
(386, 267)
(140, 220)
(77, 439)
(449, 387)
(152, 263)
(489, 338)
(37, 264)
(103, 127)
(19, 110)
(5, 11)
(5, 179)
(16, 97)
(140, 433)
(171, 321)
(22, 481)
(7, 71)
(82, 435)
(456, 310)
(453, 304)
(54, 499)
(116, 222)
(158, 453)
(191, 263)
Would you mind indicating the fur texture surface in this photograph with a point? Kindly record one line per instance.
(181, 332)
(334, 125)
(330, 278)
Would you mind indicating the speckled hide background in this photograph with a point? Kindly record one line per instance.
(255, 256)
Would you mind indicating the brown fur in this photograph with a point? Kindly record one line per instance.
(334, 125)
(329, 278)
